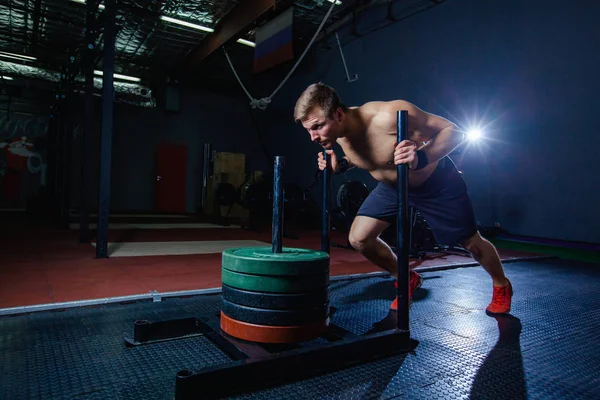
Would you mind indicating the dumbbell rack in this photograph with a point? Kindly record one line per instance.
(258, 365)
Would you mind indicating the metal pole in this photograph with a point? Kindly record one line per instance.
(325, 217)
(60, 151)
(205, 173)
(344, 61)
(277, 225)
(65, 203)
(52, 158)
(88, 146)
(108, 91)
(403, 228)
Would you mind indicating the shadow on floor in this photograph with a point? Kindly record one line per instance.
(501, 374)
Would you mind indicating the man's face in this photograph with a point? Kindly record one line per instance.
(322, 129)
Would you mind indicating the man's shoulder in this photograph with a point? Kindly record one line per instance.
(392, 105)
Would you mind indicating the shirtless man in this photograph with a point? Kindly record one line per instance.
(367, 136)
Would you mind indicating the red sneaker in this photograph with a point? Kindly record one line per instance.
(501, 299)
(416, 280)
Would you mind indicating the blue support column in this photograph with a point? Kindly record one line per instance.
(277, 223)
(403, 227)
(108, 91)
(325, 216)
(87, 148)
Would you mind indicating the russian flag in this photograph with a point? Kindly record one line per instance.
(274, 42)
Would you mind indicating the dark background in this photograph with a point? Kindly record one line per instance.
(525, 71)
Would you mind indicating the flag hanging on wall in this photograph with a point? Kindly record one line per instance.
(274, 42)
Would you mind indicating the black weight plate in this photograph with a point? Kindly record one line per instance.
(260, 316)
(276, 301)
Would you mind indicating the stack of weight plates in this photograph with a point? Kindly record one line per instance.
(275, 297)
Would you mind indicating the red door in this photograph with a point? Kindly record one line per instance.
(171, 168)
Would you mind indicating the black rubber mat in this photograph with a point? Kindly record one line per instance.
(545, 350)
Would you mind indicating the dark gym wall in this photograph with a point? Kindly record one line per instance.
(202, 117)
(525, 71)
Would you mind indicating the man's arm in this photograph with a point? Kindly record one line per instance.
(441, 135)
(442, 144)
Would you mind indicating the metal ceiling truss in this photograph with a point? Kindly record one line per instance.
(154, 38)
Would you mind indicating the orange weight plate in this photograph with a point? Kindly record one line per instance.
(273, 334)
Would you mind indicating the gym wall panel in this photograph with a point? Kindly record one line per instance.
(202, 117)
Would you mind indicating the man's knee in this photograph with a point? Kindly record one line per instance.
(360, 242)
(364, 232)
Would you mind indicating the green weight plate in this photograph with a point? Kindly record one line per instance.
(262, 261)
(274, 284)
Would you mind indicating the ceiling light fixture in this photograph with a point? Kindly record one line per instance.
(17, 56)
(188, 24)
(100, 6)
(201, 28)
(119, 76)
(8, 78)
(246, 42)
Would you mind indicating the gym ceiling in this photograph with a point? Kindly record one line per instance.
(159, 41)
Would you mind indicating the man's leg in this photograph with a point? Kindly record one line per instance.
(364, 237)
(371, 220)
(486, 255)
(454, 220)
(444, 202)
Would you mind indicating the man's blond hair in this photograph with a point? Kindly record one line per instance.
(317, 96)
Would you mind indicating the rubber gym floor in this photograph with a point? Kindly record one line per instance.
(64, 315)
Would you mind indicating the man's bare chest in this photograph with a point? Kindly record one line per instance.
(375, 151)
(370, 153)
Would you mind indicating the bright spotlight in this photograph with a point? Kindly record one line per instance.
(474, 134)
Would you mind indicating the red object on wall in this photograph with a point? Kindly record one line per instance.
(171, 177)
(15, 161)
